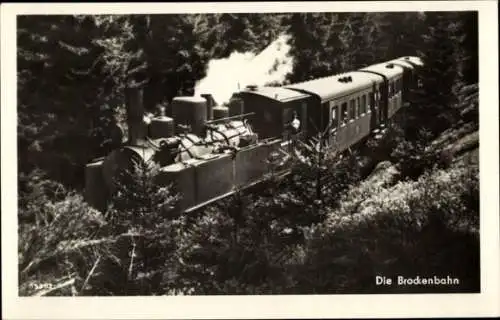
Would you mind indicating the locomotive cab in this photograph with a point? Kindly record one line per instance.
(276, 111)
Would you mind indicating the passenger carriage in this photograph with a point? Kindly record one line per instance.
(342, 106)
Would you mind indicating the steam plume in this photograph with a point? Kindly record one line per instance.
(226, 76)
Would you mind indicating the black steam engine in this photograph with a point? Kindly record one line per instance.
(209, 151)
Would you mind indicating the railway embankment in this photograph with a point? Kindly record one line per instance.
(395, 224)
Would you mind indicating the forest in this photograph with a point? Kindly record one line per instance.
(403, 205)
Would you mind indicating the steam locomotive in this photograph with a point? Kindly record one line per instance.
(209, 151)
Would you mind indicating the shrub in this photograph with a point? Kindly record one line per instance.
(380, 149)
(123, 251)
(61, 247)
(426, 227)
(413, 156)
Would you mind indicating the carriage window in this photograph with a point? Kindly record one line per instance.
(344, 115)
(335, 119)
(358, 103)
(352, 109)
(363, 103)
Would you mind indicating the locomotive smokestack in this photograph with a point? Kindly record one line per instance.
(135, 113)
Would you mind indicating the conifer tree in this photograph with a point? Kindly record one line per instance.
(172, 55)
(354, 41)
(443, 56)
(315, 45)
(146, 212)
(225, 33)
(471, 46)
(70, 73)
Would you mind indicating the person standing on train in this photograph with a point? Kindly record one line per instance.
(295, 123)
(293, 129)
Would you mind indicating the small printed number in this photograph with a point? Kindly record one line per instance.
(40, 286)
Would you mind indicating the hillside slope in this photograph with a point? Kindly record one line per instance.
(388, 225)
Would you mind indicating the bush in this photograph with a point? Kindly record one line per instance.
(60, 247)
(413, 156)
(380, 149)
(445, 159)
(426, 227)
(123, 251)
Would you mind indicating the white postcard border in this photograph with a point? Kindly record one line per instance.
(294, 306)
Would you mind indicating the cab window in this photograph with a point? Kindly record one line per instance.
(334, 117)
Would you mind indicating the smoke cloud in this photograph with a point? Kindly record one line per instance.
(226, 76)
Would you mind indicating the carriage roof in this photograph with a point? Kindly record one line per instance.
(329, 88)
(280, 94)
(388, 69)
(412, 59)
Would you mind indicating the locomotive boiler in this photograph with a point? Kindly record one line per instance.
(209, 151)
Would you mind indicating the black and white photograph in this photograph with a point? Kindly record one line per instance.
(248, 153)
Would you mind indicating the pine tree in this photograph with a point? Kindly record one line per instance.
(145, 211)
(223, 34)
(392, 35)
(443, 56)
(471, 46)
(70, 73)
(315, 45)
(353, 40)
(174, 58)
